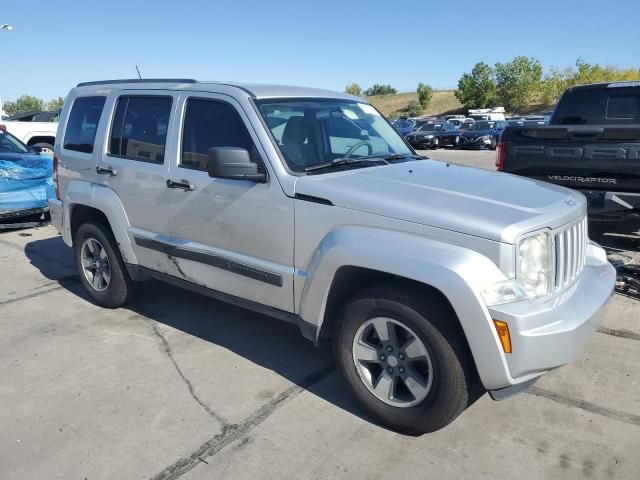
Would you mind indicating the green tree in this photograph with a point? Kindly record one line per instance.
(478, 88)
(353, 89)
(55, 104)
(414, 109)
(518, 81)
(425, 93)
(380, 90)
(555, 82)
(24, 103)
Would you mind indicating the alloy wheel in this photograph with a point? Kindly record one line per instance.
(392, 362)
(95, 264)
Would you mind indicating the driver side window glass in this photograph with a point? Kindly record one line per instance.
(212, 123)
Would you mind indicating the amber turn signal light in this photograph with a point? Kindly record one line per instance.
(503, 332)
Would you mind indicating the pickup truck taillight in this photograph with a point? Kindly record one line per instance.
(3, 127)
(55, 177)
(500, 154)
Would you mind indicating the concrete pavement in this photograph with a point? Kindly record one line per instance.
(180, 386)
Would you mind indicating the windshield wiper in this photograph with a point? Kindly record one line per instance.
(337, 162)
(402, 156)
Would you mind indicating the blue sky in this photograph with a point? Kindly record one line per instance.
(324, 43)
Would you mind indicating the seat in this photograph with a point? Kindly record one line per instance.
(296, 144)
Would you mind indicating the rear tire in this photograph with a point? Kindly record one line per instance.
(47, 148)
(100, 266)
(442, 396)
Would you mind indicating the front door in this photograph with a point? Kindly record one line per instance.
(233, 236)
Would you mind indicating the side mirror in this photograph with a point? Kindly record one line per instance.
(233, 163)
(36, 149)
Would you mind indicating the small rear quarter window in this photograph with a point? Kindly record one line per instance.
(80, 133)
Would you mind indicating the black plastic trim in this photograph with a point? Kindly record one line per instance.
(212, 260)
(512, 390)
(312, 199)
(137, 80)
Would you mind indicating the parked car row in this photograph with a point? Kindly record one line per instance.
(455, 132)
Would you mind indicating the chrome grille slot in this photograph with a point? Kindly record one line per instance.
(570, 247)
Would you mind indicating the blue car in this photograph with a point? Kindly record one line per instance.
(26, 179)
(404, 127)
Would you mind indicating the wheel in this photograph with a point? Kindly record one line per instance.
(100, 266)
(436, 142)
(403, 359)
(47, 148)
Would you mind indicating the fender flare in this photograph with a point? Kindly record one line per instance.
(457, 272)
(106, 201)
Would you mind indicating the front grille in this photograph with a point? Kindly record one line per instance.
(570, 252)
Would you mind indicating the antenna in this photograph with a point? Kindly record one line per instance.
(138, 70)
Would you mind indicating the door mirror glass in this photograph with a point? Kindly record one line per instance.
(233, 163)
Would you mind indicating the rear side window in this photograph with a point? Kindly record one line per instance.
(139, 130)
(211, 123)
(598, 106)
(82, 124)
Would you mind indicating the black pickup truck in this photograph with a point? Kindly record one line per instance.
(592, 144)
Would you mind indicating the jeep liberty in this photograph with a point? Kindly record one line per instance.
(433, 282)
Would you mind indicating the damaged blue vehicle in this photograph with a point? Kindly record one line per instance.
(26, 179)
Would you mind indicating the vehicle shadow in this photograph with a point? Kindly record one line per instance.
(275, 345)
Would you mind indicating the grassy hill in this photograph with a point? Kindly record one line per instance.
(443, 102)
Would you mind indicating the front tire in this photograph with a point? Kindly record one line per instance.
(100, 266)
(415, 377)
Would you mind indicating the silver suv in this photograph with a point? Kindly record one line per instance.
(434, 282)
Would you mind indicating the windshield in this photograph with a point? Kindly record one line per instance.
(315, 131)
(10, 144)
(430, 127)
(481, 126)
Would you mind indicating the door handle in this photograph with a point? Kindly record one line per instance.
(106, 171)
(182, 185)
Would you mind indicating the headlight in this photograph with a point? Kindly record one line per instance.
(428, 136)
(534, 265)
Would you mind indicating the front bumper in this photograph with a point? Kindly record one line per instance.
(466, 142)
(550, 332)
(421, 142)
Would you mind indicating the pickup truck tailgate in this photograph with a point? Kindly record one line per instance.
(584, 157)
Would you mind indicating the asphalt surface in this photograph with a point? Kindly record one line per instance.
(180, 386)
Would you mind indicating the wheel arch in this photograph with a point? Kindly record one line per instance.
(85, 201)
(347, 260)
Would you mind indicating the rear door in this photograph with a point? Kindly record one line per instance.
(135, 162)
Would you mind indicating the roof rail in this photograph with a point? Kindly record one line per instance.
(138, 80)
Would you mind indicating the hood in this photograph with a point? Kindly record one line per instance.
(483, 203)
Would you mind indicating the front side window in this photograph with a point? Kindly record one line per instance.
(140, 127)
(209, 124)
(80, 133)
(311, 132)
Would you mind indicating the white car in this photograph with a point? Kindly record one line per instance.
(41, 135)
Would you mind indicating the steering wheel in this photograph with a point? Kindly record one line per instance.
(361, 143)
